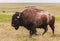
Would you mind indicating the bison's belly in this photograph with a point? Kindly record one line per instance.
(41, 26)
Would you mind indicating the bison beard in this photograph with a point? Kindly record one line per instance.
(35, 18)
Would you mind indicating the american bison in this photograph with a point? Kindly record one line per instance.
(32, 19)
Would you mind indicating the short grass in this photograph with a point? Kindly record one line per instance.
(5, 17)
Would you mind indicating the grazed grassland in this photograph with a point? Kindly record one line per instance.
(8, 33)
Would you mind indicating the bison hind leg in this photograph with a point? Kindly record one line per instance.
(45, 29)
(52, 27)
(51, 24)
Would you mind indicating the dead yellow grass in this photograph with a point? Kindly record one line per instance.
(8, 33)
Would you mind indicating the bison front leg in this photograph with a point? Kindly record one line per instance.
(33, 31)
(45, 30)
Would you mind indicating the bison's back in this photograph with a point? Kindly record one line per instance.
(36, 16)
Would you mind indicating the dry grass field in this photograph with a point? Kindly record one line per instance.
(8, 33)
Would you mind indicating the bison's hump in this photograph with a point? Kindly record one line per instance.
(36, 15)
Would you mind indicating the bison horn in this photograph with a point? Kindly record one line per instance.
(18, 16)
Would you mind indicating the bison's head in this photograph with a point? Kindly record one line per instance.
(16, 20)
